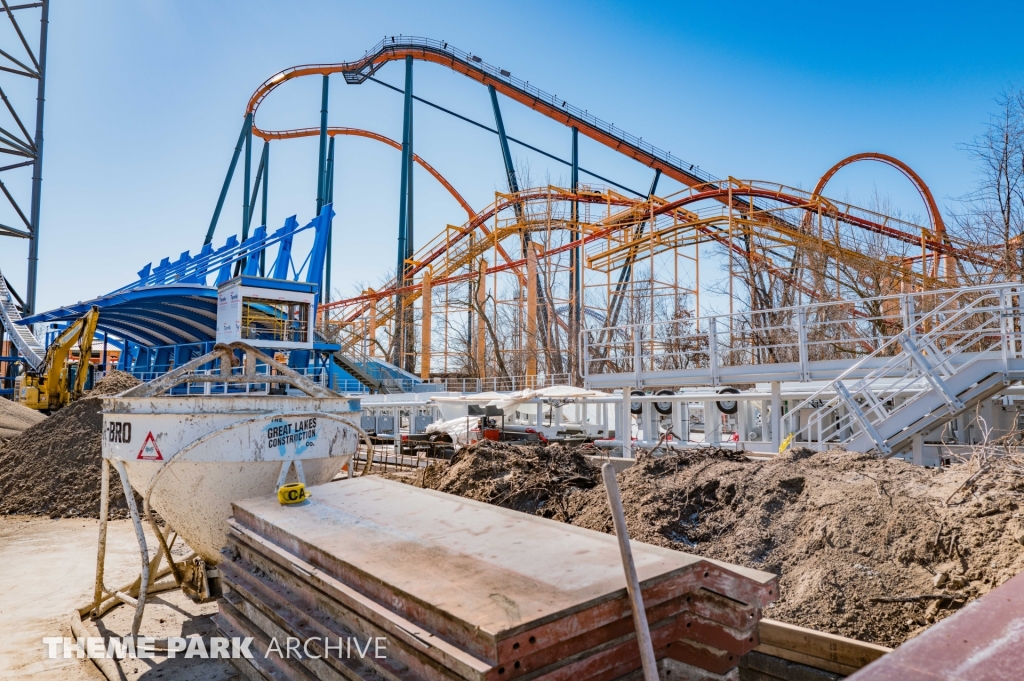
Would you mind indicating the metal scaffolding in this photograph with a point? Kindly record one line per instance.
(22, 58)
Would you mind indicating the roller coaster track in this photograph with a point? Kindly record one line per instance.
(357, 132)
(934, 214)
(857, 217)
(450, 256)
(702, 184)
(472, 66)
(811, 203)
(453, 254)
(29, 347)
(766, 201)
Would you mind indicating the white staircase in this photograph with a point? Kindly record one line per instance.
(28, 345)
(945, 362)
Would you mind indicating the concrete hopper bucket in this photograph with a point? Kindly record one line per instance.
(189, 453)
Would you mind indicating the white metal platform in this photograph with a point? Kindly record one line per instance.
(893, 371)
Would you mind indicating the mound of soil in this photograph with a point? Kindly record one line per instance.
(534, 479)
(114, 383)
(865, 548)
(14, 418)
(53, 468)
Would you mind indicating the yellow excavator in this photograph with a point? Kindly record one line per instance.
(51, 385)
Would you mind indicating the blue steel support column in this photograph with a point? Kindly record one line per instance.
(329, 198)
(247, 178)
(404, 212)
(246, 187)
(227, 180)
(263, 213)
(510, 169)
(576, 254)
(323, 148)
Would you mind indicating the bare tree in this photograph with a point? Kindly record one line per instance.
(993, 214)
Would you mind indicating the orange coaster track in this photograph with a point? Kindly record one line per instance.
(774, 237)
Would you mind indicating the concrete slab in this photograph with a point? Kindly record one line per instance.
(47, 569)
(479, 573)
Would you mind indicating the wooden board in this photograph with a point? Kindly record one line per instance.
(816, 648)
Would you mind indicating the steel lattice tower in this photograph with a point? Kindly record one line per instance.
(22, 60)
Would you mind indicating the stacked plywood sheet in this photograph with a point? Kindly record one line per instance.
(447, 588)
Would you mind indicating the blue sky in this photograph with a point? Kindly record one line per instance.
(145, 100)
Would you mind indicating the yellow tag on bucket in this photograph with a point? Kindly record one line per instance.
(292, 493)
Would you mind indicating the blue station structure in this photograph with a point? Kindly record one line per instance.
(169, 315)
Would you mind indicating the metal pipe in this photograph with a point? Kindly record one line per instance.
(510, 169)
(37, 167)
(266, 188)
(247, 125)
(776, 416)
(256, 190)
(643, 632)
(141, 536)
(323, 147)
(329, 196)
(101, 549)
(246, 189)
(576, 254)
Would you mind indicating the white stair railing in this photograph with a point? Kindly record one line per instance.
(28, 345)
(933, 348)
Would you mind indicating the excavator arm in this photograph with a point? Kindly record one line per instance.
(53, 384)
(89, 322)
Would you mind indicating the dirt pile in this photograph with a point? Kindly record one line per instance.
(15, 418)
(535, 479)
(114, 383)
(865, 548)
(53, 468)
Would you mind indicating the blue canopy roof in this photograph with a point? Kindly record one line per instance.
(172, 303)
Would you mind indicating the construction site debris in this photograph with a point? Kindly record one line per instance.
(53, 468)
(843, 530)
(14, 418)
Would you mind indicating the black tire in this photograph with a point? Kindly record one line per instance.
(664, 408)
(636, 407)
(728, 406)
